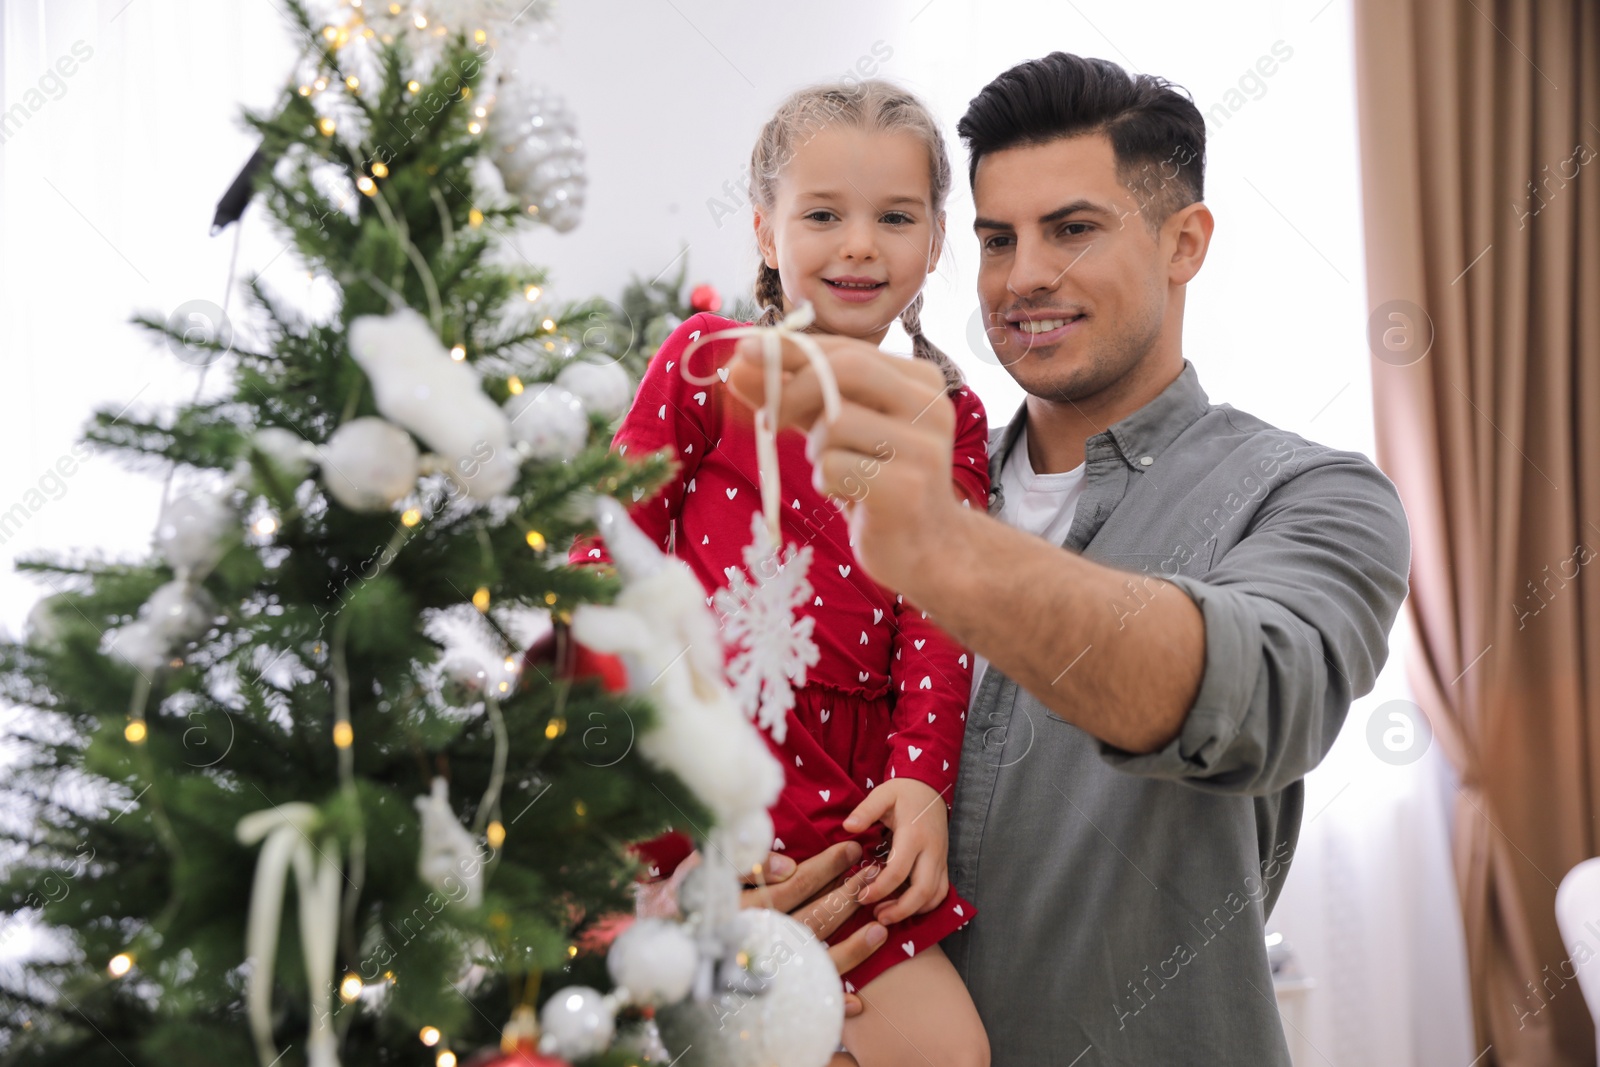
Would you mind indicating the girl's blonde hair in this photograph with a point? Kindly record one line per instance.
(876, 106)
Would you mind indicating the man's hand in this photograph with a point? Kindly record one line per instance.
(817, 893)
(915, 812)
(887, 455)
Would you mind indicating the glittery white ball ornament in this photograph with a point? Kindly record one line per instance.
(177, 612)
(538, 153)
(654, 961)
(550, 421)
(604, 388)
(795, 1022)
(577, 1022)
(195, 532)
(138, 645)
(368, 464)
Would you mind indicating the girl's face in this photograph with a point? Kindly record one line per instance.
(852, 228)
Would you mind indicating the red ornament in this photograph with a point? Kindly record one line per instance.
(705, 298)
(525, 1054)
(559, 651)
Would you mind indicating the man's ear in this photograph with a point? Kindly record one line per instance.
(1191, 228)
(764, 240)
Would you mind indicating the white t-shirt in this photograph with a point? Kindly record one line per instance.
(1041, 504)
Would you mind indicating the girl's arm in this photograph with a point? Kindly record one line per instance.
(668, 412)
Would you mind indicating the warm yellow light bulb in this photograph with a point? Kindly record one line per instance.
(414, 86)
(533, 292)
(479, 36)
(305, 90)
(580, 808)
(481, 112)
(320, 84)
(536, 540)
(329, 32)
(474, 127)
(474, 217)
(553, 728)
(421, 21)
(458, 352)
(353, 82)
(548, 324)
(550, 598)
(350, 988)
(380, 171)
(430, 1035)
(326, 125)
(496, 834)
(120, 965)
(343, 735)
(514, 385)
(265, 526)
(480, 599)
(572, 951)
(135, 731)
(446, 1058)
(367, 185)
(410, 517)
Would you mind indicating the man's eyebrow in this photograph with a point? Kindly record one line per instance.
(1076, 206)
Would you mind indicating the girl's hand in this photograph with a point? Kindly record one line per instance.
(915, 813)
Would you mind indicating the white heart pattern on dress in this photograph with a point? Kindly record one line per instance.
(844, 570)
(931, 716)
(915, 752)
(662, 412)
(959, 910)
(910, 947)
(778, 846)
(722, 372)
(861, 675)
(732, 491)
(695, 336)
(700, 398)
(825, 713)
(927, 682)
(919, 642)
(824, 793)
(864, 639)
(818, 602)
(877, 616)
(963, 660)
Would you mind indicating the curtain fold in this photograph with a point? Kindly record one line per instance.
(1480, 144)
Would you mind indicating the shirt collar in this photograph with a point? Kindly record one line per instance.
(1145, 433)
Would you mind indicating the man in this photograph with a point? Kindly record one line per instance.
(1177, 602)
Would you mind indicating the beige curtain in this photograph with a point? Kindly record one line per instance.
(1480, 143)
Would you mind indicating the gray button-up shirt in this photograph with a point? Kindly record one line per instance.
(1122, 898)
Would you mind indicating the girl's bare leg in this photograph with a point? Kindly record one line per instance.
(917, 1013)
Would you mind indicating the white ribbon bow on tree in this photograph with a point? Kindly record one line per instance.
(287, 830)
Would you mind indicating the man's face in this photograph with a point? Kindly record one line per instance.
(1073, 283)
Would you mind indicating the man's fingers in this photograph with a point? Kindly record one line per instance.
(826, 913)
(810, 878)
(854, 949)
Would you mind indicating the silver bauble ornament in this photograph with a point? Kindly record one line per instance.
(577, 1022)
(795, 1022)
(538, 153)
(604, 388)
(550, 421)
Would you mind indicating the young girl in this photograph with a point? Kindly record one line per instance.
(848, 185)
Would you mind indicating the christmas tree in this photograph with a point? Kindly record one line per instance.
(292, 788)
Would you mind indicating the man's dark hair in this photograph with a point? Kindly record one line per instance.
(1156, 132)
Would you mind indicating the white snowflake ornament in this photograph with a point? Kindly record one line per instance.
(772, 647)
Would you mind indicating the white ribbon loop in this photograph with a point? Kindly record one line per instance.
(772, 338)
(287, 829)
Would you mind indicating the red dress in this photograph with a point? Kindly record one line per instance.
(888, 695)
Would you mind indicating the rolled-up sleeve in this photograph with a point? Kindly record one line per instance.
(1297, 616)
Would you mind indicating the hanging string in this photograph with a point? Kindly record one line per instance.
(790, 328)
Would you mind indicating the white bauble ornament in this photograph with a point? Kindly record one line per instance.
(577, 1022)
(654, 961)
(416, 384)
(538, 153)
(138, 645)
(604, 388)
(287, 451)
(369, 464)
(195, 532)
(550, 421)
(795, 1022)
(177, 612)
(448, 858)
(490, 477)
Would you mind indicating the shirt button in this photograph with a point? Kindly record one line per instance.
(1145, 461)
